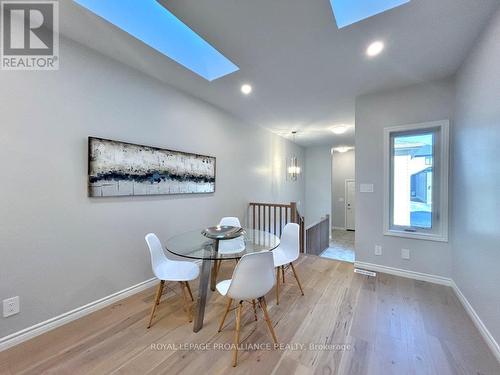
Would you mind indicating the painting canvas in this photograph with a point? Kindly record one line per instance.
(121, 169)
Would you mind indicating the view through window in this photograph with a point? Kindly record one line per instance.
(412, 170)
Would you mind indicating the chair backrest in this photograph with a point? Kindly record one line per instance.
(235, 245)
(156, 250)
(253, 276)
(289, 241)
(230, 221)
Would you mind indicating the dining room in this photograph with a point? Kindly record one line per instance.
(164, 166)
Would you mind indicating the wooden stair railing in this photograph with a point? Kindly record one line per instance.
(272, 218)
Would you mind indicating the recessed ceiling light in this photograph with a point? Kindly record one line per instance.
(246, 89)
(375, 48)
(342, 149)
(341, 129)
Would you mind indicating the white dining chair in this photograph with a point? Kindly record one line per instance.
(234, 246)
(170, 270)
(252, 279)
(285, 254)
(230, 247)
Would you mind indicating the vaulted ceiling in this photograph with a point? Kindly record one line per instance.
(305, 72)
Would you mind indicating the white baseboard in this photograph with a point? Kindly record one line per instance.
(485, 333)
(57, 321)
(487, 336)
(338, 228)
(405, 273)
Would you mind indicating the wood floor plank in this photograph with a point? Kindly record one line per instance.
(313, 331)
(387, 324)
(337, 334)
(389, 357)
(289, 366)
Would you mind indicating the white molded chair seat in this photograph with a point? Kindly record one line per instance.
(288, 249)
(280, 257)
(252, 279)
(223, 286)
(286, 253)
(177, 271)
(170, 270)
(167, 269)
(234, 246)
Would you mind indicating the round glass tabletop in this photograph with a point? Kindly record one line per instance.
(195, 245)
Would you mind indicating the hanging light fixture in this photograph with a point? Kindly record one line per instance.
(293, 164)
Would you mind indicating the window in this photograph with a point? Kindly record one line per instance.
(416, 181)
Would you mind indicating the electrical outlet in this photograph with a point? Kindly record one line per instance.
(10, 306)
(378, 250)
(405, 253)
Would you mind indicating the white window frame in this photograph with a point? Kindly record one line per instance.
(442, 234)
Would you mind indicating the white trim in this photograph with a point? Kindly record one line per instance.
(323, 218)
(57, 321)
(487, 336)
(415, 235)
(339, 228)
(483, 330)
(442, 236)
(345, 199)
(435, 279)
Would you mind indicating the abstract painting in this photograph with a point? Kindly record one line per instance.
(122, 169)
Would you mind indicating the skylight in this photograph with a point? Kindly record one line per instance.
(154, 25)
(348, 12)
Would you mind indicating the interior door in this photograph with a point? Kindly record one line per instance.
(350, 204)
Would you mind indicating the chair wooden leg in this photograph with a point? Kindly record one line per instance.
(187, 305)
(156, 301)
(263, 306)
(161, 292)
(297, 278)
(254, 309)
(228, 307)
(283, 273)
(189, 290)
(237, 334)
(278, 285)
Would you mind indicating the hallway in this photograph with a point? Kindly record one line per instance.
(341, 246)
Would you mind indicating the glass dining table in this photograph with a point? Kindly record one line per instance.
(194, 245)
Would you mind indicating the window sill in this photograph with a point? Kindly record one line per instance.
(416, 236)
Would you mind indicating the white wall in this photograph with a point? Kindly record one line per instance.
(420, 103)
(318, 183)
(476, 179)
(60, 249)
(342, 169)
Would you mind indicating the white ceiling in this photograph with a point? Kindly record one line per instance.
(304, 71)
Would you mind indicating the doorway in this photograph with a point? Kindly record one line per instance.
(350, 204)
(343, 208)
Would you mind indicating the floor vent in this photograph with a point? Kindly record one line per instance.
(365, 272)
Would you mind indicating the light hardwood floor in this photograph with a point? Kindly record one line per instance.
(389, 325)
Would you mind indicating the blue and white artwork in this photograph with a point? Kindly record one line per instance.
(124, 169)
